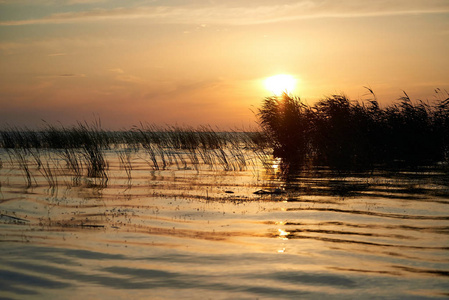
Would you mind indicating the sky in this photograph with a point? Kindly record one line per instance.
(204, 62)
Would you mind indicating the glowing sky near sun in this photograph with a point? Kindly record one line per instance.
(280, 83)
(206, 62)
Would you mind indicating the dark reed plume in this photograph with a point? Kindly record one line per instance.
(352, 135)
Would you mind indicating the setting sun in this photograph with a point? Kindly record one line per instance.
(280, 83)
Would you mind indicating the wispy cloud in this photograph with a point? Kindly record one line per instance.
(9, 47)
(117, 70)
(121, 76)
(63, 75)
(72, 75)
(54, 47)
(85, 1)
(245, 12)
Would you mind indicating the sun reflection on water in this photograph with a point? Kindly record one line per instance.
(283, 234)
(276, 164)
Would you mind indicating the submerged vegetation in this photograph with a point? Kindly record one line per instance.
(352, 135)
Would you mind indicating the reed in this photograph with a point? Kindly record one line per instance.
(124, 156)
(20, 156)
(82, 147)
(357, 135)
(73, 162)
(48, 172)
(93, 142)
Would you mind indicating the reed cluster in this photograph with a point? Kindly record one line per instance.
(83, 148)
(188, 146)
(349, 135)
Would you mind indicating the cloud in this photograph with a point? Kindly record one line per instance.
(62, 46)
(129, 79)
(10, 47)
(84, 1)
(121, 76)
(117, 70)
(72, 75)
(245, 12)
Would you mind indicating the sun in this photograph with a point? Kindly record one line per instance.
(280, 83)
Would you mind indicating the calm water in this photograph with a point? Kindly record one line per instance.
(202, 233)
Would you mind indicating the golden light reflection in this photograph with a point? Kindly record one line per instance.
(276, 164)
(283, 234)
(281, 83)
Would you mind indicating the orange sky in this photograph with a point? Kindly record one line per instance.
(205, 62)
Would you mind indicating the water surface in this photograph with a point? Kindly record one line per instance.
(190, 232)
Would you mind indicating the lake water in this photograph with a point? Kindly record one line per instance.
(200, 232)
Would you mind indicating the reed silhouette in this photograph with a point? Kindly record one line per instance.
(84, 149)
(357, 135)
(335, 133)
